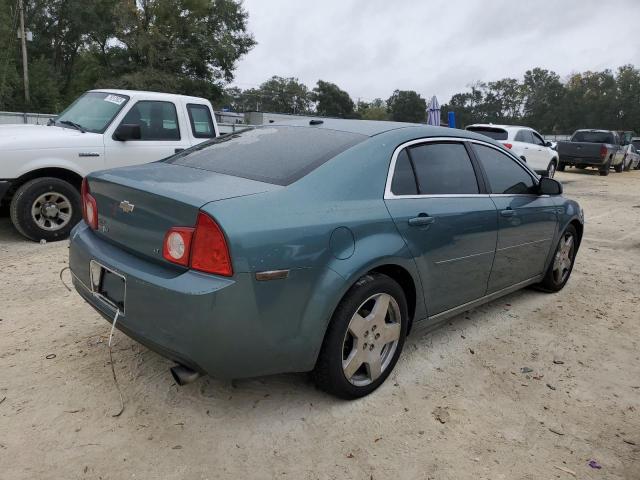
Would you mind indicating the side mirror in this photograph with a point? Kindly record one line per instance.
(548, 144)
(127, 131)
(549, 186)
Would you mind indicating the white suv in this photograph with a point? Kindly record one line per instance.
(525, 142)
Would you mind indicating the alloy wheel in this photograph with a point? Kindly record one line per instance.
(564, 258)
(51, 211)
(371, 339)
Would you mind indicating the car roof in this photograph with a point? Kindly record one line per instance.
(504, 127)
(362, 127)
(148, 94)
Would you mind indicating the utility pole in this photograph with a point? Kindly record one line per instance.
(23, 38)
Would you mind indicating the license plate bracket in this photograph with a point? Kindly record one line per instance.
(108, 285)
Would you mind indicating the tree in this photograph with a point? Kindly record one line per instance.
(182, 46)
(331, 101)
(407, 106)
(375, 110)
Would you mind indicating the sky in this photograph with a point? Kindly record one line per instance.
(437, 47)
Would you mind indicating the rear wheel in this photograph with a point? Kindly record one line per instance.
(618, 168)
(561, 167)
(604, 170)
(364, 339)
(45, 209)
(561, 266)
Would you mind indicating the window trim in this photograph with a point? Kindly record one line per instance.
(175, 109)
(193, 124)
(389, 195)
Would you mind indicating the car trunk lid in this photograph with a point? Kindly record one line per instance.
(137, 205)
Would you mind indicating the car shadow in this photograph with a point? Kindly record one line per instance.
(296, 391)
(8, 234)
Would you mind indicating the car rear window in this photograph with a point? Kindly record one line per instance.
(593, 137)
(491, 132)
(278, 155)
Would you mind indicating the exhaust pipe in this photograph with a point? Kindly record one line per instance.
(183, 375)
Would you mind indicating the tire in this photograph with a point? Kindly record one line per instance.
(562, 167)
(58, 197)
(604, 171)
(561, 266)
(551, 169)
(618, 168)
(347, 338)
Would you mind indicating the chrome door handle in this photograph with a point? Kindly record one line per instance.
(508, 212)
(421, 220)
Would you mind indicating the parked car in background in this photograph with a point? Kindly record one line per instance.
(42, 166)
(315, 246)
(631, 157)
(601, 149)
(525, 143)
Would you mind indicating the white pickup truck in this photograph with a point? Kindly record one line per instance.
(41, 167)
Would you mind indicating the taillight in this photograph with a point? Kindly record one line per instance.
(203, 248)
(177, 245)
(508, 145)
(603, 151)
(209, 252)
(89, 206)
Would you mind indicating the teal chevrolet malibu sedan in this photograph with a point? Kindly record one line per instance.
(315, 246)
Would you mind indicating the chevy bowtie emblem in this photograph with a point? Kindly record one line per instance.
(126, 207)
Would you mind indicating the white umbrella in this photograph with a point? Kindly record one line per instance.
(433, 117)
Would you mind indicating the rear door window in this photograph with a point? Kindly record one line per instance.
(505, 175)
(278, 155)
(524, 136)
(491, 132)
(201, 121)
(537, 139)
(443, 169)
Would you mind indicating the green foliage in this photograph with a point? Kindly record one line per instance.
(407, 106)
(331, 101)
(375, 110)
(181, 46)
(541, 100)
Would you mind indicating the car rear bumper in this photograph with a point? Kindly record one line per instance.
(5, 186)
(226, 327)
(593, 162)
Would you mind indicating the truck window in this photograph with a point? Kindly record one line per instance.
(157, 120)
(593, 137)
(94, 111)
(201, 121)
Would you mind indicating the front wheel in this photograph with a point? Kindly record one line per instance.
(364, 339)
(45, 209)
(561, 266)
(551, 169)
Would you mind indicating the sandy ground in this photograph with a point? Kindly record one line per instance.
(457, 406)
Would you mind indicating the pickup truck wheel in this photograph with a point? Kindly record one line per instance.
(364, 338)
(618, 168)
(604, 171)
(45, 209)
(561, 167)
(561, 266)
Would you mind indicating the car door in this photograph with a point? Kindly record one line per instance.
(159, 130)
(527, 221)
(541, 156)
(446, 218)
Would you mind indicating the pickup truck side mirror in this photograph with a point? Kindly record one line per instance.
(127, 131)
(549, 186)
